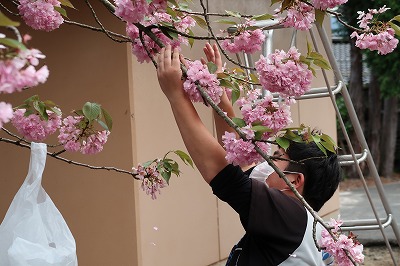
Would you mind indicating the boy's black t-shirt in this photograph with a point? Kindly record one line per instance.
(275, 223)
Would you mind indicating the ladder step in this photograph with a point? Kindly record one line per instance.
(345, 160)
(366, 224)
(315, 92)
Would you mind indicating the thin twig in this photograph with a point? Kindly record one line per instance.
(8, 10)
(127, 39)
(101, 25)
(205, 15)
(210, 14)
(55, 156)
(147, 50)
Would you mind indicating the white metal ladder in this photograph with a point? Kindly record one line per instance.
(352, 158)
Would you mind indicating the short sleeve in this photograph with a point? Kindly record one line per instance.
(233, 186)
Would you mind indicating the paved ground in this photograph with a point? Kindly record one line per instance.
(355, 205)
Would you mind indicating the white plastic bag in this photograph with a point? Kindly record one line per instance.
(33, 232)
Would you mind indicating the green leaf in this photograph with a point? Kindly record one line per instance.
(315, 55)
(55, 110)
(170, 34)
(61, 10)
(147, 164)
(254, 78)
(239, 122)
(275, 1)
(5, 21)
(12, 43)
(283, 143)
(184, 157)
(102, 124)
(329, 146)
(395, 27)
(235, 95)
(261, 129)
(397, 18)
(191, 40)
(166, 175)
(173, 2)
(321, 147)
(91, 111)
(265, 16)
(226, 21)
(79, 112)
(32, 99)
(225, 83)
(212, 68)
(233, 13)
(238, 70)
(319, 16)
(107, 118)
(40, 107)
(201, 22)
(322, 63)
(309, 47)
(316, 138)
(67, 3)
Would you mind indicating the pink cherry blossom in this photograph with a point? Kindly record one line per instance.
(131, 11)
(246, 41)
(325, 4)
(40, 14)
(95, 142)
(384, 42)
(197, 72)
(139, 50)
(377, 36)
(32, 127)
(6, 113)
(284, 73)
(152, 182)
(299, 16)
(241, 152)
(19, 71)
(74, 138)
(337, 247)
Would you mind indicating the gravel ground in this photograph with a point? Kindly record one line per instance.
(380, 256)
(374, 256)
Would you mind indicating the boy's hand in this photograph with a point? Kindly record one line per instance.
(213, 55)
(169, 73)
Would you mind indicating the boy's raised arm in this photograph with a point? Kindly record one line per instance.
(204, 149)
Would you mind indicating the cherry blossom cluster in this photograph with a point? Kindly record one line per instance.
(141, 51)
(20, 71)
(299, 16)
(6, 113)
(76, 135)
(376, 36)
(32, 127)
(325, 4)
(337, 247)
(152, 181)
(256, 111)
(244, 40)
(197, 72)
(40, 14)
(241, 152)
(135, 11)
(284, 73)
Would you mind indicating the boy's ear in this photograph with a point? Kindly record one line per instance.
(299, 180)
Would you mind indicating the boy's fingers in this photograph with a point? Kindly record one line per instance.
(160, 60)
(175, 57)
(167, 56)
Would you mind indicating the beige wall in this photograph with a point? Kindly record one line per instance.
(114, 222)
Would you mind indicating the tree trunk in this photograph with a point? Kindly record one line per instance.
(388, 136)
(356, 83)
(374, 119)
(356, 94)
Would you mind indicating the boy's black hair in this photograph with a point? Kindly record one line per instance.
(322, 173)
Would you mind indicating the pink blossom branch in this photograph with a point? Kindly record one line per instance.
(205, 15)
(55, 156)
